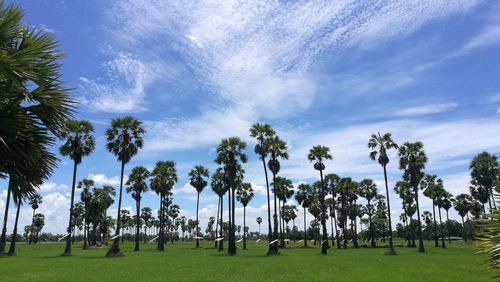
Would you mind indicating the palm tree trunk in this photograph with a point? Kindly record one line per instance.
(221, 242)
(275, 218)
(282, 242)
(324, 243)
(448, 227)
(5, 218)
(85, 236)
(270, 250)
(336, 229)
(470, 227)
(217, 221)
(436, 244)
(463, 230)
(355, 239)
(12, 248)
(333, 237)
(391, 250)
(233, 210)
(67, 250)
(244, 224)
(161, 246)
(420, 239)
(197, 205)
(31, 231)
(115, 247)
(138, 223)
(305, 229)
(442, 229)
(372, 235)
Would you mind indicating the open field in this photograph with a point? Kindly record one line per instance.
(183, 262)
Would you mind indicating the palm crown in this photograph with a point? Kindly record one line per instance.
(197, 178)
(137, 182)
(261, 132)
(79, 141)
(412, 161)
(124, 137)
(379, 145)
(319, 154)
(164, 177)
(244, 193)
(35, 200)
(277, 148)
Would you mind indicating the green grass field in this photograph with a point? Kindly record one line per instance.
(182, 261)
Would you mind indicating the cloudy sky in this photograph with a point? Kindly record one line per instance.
(320, 72)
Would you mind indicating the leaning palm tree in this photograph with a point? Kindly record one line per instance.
(197, 179)
(137, 185)
(380, 144)
(230, 153)
(244, 194)
(412, 161)
(262, 132)
(302, 197)
(34, 201)
(124, 139)
(79, 142)
(277, 149)
(318, 154)
(164, 177)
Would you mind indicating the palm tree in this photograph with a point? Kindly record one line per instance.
(303, 197)
(124, 139)
(34, 106)
(230, 152)
(219, 187)
(331, 183)
(137, 185)
(412, 161)
(432, 191)
(197, 179)
(368, 190)
(79, 142)
(405, 192)
(244, 194)
(440, 199)
(484, 172)
(283, 189)
(146, 216)
(446, 203)
(259, 221)
(462, 204)
(262, 132)
(164, 177)
(380, 145)
(35, 201)
(318, 154)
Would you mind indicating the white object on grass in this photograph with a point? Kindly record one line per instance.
(63, 237)
(239, 240)
(258, 240)
(114, 237)
(219, 239)
(154, 239)
(272, 242)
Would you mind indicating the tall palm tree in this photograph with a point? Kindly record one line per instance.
(302, 197)
(197, 179)
(124, 139)
(136, 184)
(484, 172)
(369, 191)
(380, 144)
(35, 201)
(164, 177)
(446, 203)
(12, 248)
(331, 182)
(412, 161)
(262, 132)
(230, 153)
(462, 204)
(79, 142)
(147, 217)
(318, 154)
(219, 187)
(259, 221)
(405, 192)
(432, 191)
(244, 194)
(277, 149)
(283, 189)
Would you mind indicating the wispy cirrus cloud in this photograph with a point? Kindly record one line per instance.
(425, 110)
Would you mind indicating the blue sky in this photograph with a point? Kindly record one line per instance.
(318, 72)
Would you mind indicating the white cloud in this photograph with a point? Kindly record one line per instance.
(186, 189)
(425, 110)
(51, 187)
(488, 37)
(102, 179)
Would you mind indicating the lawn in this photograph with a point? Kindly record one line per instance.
(183, 262)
